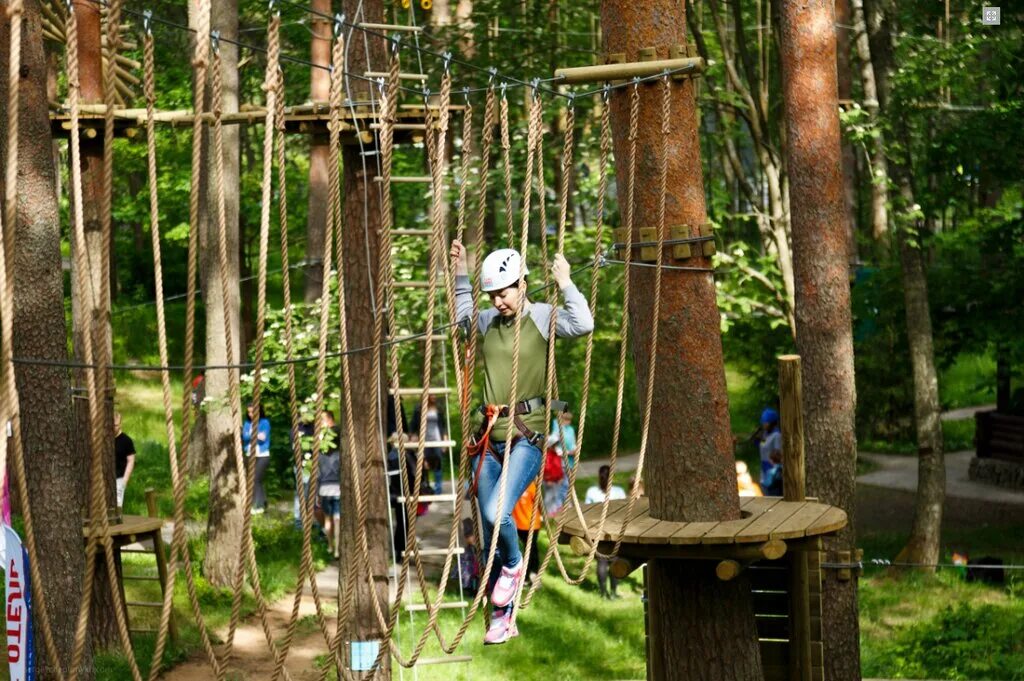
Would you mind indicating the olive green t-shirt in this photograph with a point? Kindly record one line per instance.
(497, 339)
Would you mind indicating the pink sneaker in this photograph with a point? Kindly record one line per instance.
(507, 585)
(502, 628)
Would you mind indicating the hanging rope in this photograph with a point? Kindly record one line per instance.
(506, 157)
(11, 409)
(179, 546)
(178, 541)
(306, 571)
(99, 526)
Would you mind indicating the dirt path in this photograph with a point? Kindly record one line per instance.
(252, 659)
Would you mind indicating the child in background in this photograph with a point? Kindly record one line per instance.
(771, 480)
(469, 564)
(521, 516)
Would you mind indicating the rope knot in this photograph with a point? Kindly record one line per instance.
(16, 7)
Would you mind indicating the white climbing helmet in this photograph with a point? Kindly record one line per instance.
(502, 268)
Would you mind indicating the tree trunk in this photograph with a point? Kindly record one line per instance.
(923, 545)
(54, 468)
(925, 535)
(844, 71)
(361, 224)
(319, 155)
(690, 440)
(879, 164)
(224, 528)
(824, 338)
(95, 321)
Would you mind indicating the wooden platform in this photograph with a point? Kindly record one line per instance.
(130, 529)
(764, 519)
(310, 119)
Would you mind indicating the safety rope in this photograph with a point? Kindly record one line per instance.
(11, 402)
(99, 524)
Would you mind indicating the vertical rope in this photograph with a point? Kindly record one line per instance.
(605, 149)
(10, 403)
(178, 541)
(99, 526)
(200, 65)
(506, 156)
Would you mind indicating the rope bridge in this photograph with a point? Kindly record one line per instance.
(385, 121)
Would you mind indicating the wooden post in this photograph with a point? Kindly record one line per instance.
(792, 425)
(161, 559)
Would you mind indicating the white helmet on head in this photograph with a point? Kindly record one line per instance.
(501, 269)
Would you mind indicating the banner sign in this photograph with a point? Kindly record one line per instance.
(18, 608)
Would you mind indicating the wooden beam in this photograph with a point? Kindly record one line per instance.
(642, 69)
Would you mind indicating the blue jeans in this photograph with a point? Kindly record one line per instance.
(524, 465)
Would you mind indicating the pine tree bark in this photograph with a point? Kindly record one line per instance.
(689, 439)
(823, 320)
(55, 469)
(361, 224)
(319, 155)
(224, 526)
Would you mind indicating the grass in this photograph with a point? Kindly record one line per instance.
(968, 382)
(571, 631)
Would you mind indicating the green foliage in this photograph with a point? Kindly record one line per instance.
(962, 642)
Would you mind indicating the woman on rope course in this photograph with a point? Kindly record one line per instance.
(500, 278)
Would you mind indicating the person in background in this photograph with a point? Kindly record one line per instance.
(329, 480)
(769, 441)
(563, 440)
(744, 483)
(124, 459)
(305, 433)
(596, 495)
(469, 564)
(437, 430)
(257, 430)
(771, 481)
(522, 513)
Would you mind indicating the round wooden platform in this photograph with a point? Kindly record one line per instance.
(765, 519)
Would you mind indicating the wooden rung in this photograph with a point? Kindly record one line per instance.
(141, 578)
(424, 498)
(390, 27)
(422, 77)
(450, 659)
(400, 126)
(436, 338)
(431, 444)
(144, 604)
(412, 232)
(414, 284)
(408, 179)
(446, 605)
(151, 553)
(405, 392)
(441, 552)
